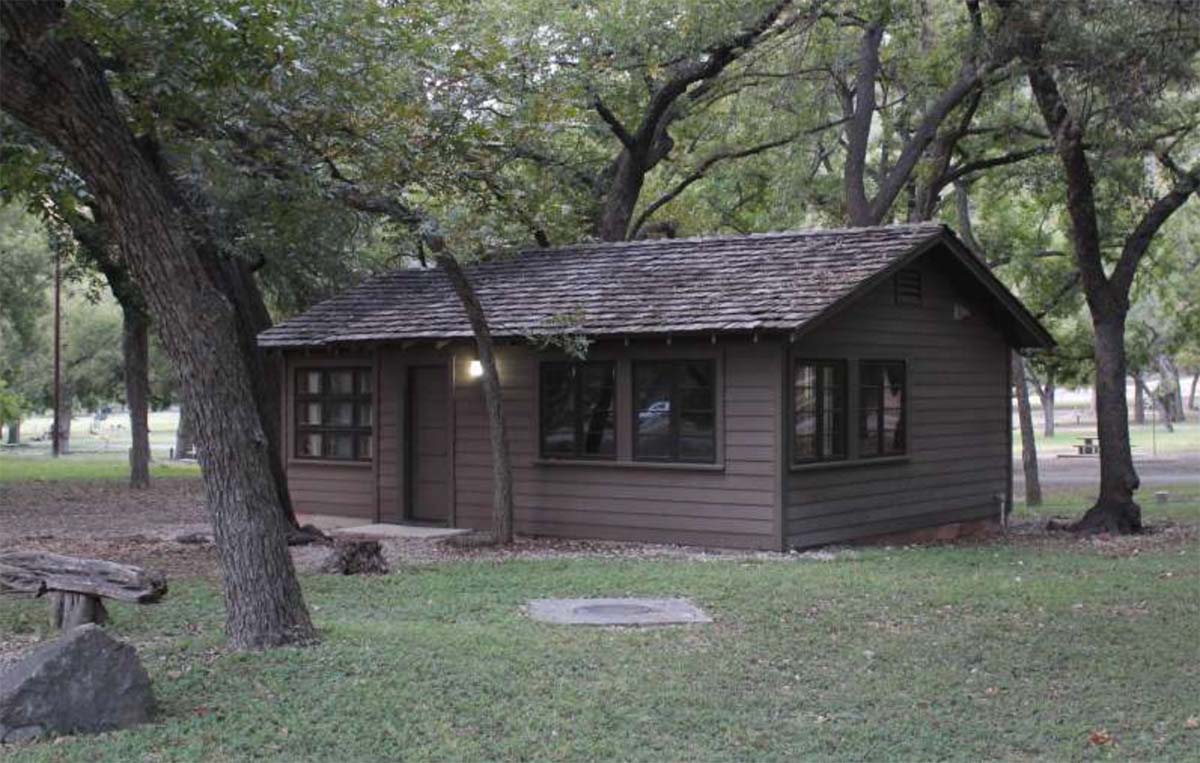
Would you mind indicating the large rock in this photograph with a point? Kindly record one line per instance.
(85, 681)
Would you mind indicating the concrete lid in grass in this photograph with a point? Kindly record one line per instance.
(617, 611)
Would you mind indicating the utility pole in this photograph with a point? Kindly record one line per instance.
(56, 431)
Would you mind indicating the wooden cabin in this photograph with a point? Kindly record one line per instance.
(766, 391)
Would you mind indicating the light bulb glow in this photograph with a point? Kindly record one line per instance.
(475, 369)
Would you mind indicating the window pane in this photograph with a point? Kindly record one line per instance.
(341, 382)
(597, 409)
(805, 448)
(308, 382)
(364, 414)
(308, 413)
(652, 388)
(697, 375)
(696, 449)
(309, 445)
(364, 382)
(339, 445)
(364, 447)
(869, 432)
(831, 434)
(557, 411)
(339, 414)
(893, 430)
(653, 446)
(695, 424)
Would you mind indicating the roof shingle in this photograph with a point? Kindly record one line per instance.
(773, 281)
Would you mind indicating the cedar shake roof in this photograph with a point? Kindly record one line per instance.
(759, 282)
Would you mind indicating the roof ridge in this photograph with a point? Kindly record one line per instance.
(703, 238)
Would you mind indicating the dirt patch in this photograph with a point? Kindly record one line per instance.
(98, 509)
(110, 521)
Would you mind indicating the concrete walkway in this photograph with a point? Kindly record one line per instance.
(398, 532)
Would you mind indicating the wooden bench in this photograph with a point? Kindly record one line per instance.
(1089, 447)
(76, 588)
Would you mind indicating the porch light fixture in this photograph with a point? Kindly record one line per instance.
(475, 369)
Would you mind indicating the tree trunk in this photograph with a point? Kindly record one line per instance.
(136, 349)
(1164, 413)
(66, 410)
(185, 438)
(1139, 399)
(502, 490)
(14, 427)
(1115, 510)
(621, 198)
(1029, 462)
(1170, 387)
(196, 319)
(1191, 396)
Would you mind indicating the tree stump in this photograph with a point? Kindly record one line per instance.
(356, 557)
(70, 610)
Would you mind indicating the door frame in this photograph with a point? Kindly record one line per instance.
(409, 439)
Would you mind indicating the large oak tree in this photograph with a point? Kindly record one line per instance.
(56, 84)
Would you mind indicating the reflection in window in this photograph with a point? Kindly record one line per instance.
(881, 386)
(675, 411)
(333, 413)
(819, 411)
(578, 401)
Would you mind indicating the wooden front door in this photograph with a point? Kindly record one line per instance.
(428, 444)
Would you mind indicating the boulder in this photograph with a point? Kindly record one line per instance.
(85, 681)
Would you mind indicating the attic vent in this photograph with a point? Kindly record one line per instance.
(908, 287)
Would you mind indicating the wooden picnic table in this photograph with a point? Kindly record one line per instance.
(1090, 445)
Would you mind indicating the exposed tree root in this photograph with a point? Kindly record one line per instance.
(1113, 517)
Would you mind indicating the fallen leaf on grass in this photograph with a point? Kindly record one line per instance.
(1100, 737)
(1192, 723)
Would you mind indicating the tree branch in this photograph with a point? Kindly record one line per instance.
(614, 123)
(1138, 241)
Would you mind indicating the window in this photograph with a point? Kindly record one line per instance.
(333, 413)
(674, 406)
(881, 389)
(908, 287)
(819, 411)
(577, 410)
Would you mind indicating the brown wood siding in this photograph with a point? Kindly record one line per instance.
(958, 447)
(732, 503)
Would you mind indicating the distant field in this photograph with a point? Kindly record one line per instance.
(16, 466)
(1147, 439)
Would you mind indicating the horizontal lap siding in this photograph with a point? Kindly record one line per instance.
(958, 453)
(732, 508)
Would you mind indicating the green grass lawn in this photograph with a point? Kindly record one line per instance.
(1147, 440)
(1183, 503)
(1013, 651)
(18, 466)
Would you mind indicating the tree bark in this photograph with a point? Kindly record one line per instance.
(1115, 511)
(1139, 398)
(1191, 396)
(185, 438)
(66, 411)
(198, 323)
(1164, 412)
(502, 489)
(14, 426)
(135, 345)
(1170, 387)
(136, 351)
(1029, 462)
